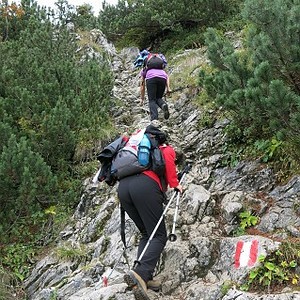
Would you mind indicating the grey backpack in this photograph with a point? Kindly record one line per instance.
(126, 163)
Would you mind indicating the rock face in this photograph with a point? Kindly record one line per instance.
(206, 257)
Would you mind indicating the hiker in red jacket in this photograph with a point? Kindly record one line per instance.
(142, 196)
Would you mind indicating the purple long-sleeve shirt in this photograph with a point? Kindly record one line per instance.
(147, 74)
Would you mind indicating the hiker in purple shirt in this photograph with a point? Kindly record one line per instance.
(157, 80)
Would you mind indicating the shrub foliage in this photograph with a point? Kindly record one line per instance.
(258, 81)
(147, 23)
(53, 99)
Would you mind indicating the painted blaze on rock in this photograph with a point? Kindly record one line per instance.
(246, 254)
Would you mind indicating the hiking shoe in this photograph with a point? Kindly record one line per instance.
(154, 285)
(166, 111)
(137, 285)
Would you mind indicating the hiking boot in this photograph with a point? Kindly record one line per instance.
(137, 285)
(166, 111)
(154, 285)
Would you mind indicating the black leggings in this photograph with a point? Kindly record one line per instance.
(155, 89)
(142, 199)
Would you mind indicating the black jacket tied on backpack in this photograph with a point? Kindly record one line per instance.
(105, 157)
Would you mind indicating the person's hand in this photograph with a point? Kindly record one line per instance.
(179, 188)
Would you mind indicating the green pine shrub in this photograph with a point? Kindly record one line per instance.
(55, 104)
(258, 82)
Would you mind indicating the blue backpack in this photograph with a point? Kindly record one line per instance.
(139, 61)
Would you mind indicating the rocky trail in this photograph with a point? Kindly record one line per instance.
(208, 260)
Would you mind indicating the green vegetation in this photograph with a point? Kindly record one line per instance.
(276, 270)
(69, 252)
(55, 103)
(226, 286)
(192, 61)
(247, 219)
(7, 280)
(53, 295)
(257, 83)
(164, 24)
(54, 107)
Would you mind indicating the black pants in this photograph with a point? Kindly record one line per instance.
(142, 199)
(155, 89)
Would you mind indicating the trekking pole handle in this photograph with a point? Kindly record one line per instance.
(185, 170)
(182, 174)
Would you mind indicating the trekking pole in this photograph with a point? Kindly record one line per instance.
(183, 173)
(105, 278)
(95, 178)
(172, 235)
(177, 90)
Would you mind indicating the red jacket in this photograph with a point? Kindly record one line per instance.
(171, 173)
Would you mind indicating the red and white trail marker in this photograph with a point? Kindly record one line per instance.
(246, 254)
(105, 281)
